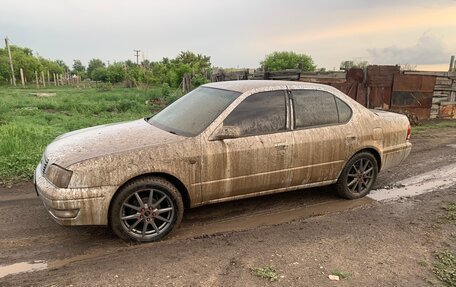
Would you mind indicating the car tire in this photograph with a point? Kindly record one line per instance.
(358, 176)
(146, 210)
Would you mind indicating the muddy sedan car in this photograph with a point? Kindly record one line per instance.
(222, 141)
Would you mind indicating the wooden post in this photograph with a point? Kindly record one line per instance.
(13, 77)
(43, 80)
(49, 79)
(36, 80)
(22, 77)
(53, 76)
(452, 65)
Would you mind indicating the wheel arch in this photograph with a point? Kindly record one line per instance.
(375, 152)
(172, 179)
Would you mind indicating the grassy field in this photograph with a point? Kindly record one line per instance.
(28, 123)
(433, 124)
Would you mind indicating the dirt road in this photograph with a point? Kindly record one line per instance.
(377, 243)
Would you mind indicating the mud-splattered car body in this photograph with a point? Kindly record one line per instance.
(95, 163)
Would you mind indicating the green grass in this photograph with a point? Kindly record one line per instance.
(266, 272)
(341, 274)
(29, 123)
(422, 263)
(450, 212)
(433, 124)
(445, 268)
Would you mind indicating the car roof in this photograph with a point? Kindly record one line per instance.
(247, 85)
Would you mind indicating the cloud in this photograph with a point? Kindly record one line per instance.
(429, 49)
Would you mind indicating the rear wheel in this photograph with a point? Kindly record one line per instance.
(358, 176)
(146, 210)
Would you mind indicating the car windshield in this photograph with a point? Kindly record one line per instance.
(192, 113)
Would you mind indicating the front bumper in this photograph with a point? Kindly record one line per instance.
(74, 206)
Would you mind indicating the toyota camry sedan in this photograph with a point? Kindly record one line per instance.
(222, 141)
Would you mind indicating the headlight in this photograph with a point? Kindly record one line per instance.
(59, 176)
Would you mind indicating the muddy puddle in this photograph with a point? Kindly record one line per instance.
(440, 178)
(22, 267)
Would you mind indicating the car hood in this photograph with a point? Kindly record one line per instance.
(97, 141)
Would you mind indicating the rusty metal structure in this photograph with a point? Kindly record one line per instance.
(413, 94)
(423, 95)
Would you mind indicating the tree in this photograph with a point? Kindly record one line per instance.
(62, 64)
(24, 58)
(50, 66)
(78, 68)
(288, 60)
(116, 72)
(94, 64)
(347, 65)
(99, 74)
(197, 65)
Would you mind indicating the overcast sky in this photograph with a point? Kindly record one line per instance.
(236, 33)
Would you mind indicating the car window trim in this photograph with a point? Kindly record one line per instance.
(287, 114)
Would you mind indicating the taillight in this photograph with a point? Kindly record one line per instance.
(409, 132)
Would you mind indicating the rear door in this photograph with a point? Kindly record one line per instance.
(320, 136)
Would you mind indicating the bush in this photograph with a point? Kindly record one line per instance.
(165, 90)
(104, 87)
(199, 80)
(288, 60)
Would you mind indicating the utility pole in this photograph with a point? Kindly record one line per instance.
(452, 64)
(137, 56)
(11, 61)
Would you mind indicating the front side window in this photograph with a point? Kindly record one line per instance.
(260, 113)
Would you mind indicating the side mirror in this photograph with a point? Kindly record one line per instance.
(226, 132)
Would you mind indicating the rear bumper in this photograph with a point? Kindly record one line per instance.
(74, 206)
(394, 157)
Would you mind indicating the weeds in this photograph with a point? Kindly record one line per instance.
(422, 263)
(266, 272)
(433, 124)
(451, 212)
(445, 268)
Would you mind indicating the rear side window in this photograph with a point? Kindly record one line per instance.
(260, 113)
(344, 110)
(314, 108)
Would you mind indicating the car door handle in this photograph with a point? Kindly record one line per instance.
(281, 146)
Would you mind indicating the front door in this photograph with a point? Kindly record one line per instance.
(259, 159)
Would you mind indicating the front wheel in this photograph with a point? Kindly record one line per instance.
(358, 176)
(146, 210)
